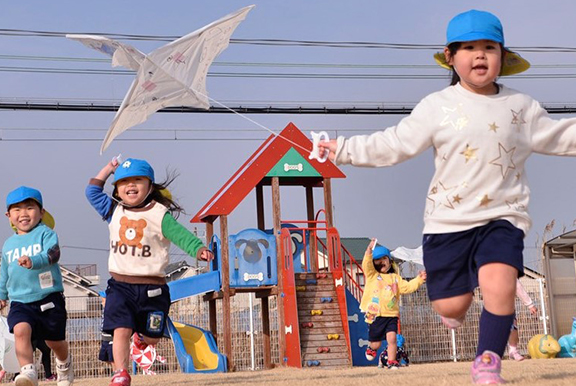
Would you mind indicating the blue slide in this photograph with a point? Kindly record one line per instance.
(195, 347)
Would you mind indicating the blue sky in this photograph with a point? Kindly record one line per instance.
(386, 203)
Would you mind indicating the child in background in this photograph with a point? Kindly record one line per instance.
(141, 225)
(514, 339)
(30, 278)
(380, 300)
(476, 213)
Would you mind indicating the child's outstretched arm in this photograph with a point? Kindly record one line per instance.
(95, 191)
(407, 287)
(526, 299)
(328, 146)
(3, 281)
(367, 263)
(184, 239)
(49, 255)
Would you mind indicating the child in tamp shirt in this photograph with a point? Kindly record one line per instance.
(31, 279)
(380, 300)
(141, 224)
(476, 213)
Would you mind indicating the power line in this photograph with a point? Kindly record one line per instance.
(277, 42)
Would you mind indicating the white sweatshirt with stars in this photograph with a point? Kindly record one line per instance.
(480, 143)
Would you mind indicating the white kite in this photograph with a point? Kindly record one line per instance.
(172, 75)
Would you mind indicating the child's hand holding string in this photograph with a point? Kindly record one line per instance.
(371, 245)
(328, 146)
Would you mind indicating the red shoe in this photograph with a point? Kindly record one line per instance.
(120, 378)
(139, 342)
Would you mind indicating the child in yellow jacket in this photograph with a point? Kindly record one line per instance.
(380, 300)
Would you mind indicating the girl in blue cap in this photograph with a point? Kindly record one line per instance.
(476, 213)
(380, 300)
(141, 223)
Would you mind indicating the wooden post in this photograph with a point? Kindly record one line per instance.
(328, 202)
(212, 318)
(266, 332)
(226, 317)
(311, 239)
(260, 207)
(277, 226)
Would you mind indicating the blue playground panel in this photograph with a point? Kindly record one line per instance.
(297, 246)
(253, 259)
(358, 333)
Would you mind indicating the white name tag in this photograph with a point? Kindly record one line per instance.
(47, 306)
(155, 292)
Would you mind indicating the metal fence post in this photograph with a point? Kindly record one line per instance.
(543, 305)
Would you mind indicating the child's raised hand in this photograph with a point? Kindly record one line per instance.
(328, 146)
(24, 261)
(371, 245)
(533, 309)
(423, 275)
(207, 255)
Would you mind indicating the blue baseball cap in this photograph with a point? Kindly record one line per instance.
(133, 167)
(480, 25)
(23, 193)
(380, 252)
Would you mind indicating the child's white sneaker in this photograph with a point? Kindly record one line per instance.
(65, 372)
(28, 376)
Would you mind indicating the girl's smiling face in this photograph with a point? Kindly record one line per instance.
(478, 63)
(133, 190)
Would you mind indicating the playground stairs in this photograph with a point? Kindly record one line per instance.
(322, 338)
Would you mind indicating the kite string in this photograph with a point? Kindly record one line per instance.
(253, 121)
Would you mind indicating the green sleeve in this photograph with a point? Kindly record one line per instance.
(180, 236)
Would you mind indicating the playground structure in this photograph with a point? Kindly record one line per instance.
(300, 262)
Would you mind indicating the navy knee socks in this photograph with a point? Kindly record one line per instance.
(493, 332)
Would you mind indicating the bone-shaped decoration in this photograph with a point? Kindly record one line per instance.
(363, 342)
(316, 138)
(339, 282)
(353, 318)
(288, 329)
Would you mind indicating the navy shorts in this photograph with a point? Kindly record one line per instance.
(452, 260)
(141, 307)
(381, 326)
(106, 354)
(47, 317)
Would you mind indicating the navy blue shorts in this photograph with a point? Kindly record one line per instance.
(106, 354)
(381, 326)
(141, 307)
(452, 260)
(47, 317)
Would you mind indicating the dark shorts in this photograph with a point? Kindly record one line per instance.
(452, 260)
(47, 317)
(381, 326)
(106, 354)
(141, 307)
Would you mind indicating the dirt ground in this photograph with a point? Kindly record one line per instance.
(556, 372)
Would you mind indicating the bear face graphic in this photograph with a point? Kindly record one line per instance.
(131, 232)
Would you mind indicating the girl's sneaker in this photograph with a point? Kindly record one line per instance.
(486, 369)
(514, 354)
(393, 365)
(120, 378)
(370, 354)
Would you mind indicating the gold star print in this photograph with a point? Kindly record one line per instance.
(432, 203)
(456, 199)
(518, 175)
(484, 200)
(447, 191)
(434, 190)
(504, 160)
(515, 205)
(469, 153)
(517, 118)
(454, 117)
(493, 127)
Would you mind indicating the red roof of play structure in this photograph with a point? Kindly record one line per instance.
(257, 167)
